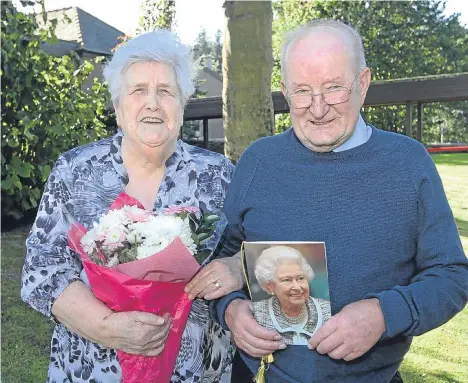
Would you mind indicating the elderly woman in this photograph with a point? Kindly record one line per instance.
(150, 79)
(284, 273)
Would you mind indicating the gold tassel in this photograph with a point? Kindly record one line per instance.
(264, 366)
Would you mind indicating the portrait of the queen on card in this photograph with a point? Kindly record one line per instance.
(288, 283)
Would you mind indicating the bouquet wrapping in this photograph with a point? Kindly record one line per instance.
(152, 283)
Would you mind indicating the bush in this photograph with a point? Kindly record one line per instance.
(45, 108)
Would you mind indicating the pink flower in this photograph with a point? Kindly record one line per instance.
(114, 238)
(135, 214)
(181, 209)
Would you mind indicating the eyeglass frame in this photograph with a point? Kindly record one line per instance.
(350, 89)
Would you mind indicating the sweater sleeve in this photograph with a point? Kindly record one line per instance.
(233, 235)
(439, 288)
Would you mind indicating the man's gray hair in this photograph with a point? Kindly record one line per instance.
(269, 260)
(351, 34)
(161, 46)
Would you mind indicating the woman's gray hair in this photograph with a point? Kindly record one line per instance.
(269, 260)
(351, 34)
(162, 46)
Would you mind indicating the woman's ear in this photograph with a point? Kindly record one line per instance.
(269, 287)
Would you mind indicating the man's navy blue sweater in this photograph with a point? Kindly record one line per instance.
(389, 232)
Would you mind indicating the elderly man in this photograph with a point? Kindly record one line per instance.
(396, 265)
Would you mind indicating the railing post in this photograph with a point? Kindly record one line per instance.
(205, 133)
(409, 119)
(420, 122)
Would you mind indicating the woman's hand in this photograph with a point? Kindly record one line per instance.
(218, 278)
(136, 332)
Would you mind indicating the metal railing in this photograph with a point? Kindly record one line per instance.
(406, 91)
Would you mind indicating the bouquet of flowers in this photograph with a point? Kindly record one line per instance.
(136, 260)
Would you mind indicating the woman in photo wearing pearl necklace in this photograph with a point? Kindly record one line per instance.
(284, 273)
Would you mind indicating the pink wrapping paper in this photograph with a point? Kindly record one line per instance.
(155, 285)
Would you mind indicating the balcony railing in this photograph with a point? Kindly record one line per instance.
(411, 92)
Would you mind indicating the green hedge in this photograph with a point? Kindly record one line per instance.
(45, 108)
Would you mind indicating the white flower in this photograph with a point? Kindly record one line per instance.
(133, 237)
(88, 241)
(114, 218)
(138, 228)
(150, 249)
(186, 237)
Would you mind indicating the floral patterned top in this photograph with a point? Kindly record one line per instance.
(81, 187)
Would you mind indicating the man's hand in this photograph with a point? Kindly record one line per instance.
(351, 332)
(217, 279)
(136, 332)
(248, 335)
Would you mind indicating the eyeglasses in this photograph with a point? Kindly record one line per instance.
(331, 96)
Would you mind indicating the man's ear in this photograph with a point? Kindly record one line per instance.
(284, 89)
(364, 82)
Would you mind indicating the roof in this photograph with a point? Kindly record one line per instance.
(62, 47)
(90, 33)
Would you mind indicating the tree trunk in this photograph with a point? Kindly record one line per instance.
(247, 66)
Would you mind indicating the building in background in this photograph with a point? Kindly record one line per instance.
(91, 37)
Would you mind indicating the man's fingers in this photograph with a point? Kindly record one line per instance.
(256, 346)
(353, 355)
(339, 352)
(330, 343)
(323, 332)
(257, 331)
(262, 345)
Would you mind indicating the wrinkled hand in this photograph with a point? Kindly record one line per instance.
(137, 332)
(248, 335)
(218, 278)
(351, 332)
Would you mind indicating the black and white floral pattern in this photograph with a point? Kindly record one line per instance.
(81, 187)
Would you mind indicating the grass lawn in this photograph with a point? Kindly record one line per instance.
(438, 356)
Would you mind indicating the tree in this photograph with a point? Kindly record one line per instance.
(45, 108)
(205, 48)
(218, 53)
(401, 39)
(157, 14)
(247, 66)
(202, 47)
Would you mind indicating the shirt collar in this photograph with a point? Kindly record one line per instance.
(361, 134)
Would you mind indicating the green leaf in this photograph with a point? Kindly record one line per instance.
(211, 218)
(12, 142)
(195, 239)
(7, 184)
(203, 236)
